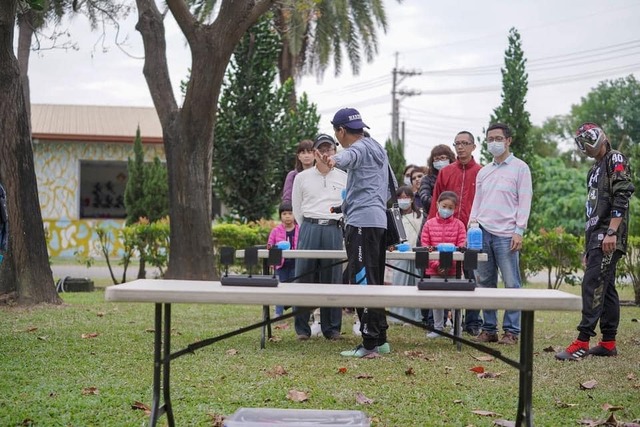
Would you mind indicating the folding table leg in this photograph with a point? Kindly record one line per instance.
(161, 366)
(525, 395)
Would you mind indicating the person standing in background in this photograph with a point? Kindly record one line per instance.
(365, 218)
(411, 220)
(501, 206)
(609, 190)
(315, 191)
(441, 156)
(460, 177)
(304, 160)
(416, 178)
(286, 231)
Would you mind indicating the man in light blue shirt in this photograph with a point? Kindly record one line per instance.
(364, 206)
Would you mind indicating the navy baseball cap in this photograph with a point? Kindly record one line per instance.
(348, 117)
(323, 138)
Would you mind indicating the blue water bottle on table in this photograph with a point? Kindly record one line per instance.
(474, 236)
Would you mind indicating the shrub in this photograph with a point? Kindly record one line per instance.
(557, 252)
(630, 265)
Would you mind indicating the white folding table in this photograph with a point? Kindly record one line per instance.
(164, 293)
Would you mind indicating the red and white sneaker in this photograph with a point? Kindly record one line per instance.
(577, 350)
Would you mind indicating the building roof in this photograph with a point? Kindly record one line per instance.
(94, 123)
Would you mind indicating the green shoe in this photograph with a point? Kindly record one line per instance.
(359, 352)
(384, 348)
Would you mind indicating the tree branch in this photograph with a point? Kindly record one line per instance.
(186, 21)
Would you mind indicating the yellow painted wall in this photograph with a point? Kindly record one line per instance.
(57, 167)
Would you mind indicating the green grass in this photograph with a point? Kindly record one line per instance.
(43, 371)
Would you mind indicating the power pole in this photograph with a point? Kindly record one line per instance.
(398, 77)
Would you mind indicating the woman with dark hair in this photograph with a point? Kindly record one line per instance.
(304, 160)
(441, 156)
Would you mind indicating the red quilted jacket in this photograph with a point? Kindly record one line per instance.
(438, 230)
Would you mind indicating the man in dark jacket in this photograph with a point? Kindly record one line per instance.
(609, 190)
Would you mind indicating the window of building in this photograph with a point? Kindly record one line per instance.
(102, 185)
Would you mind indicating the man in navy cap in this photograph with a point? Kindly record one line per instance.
(364, 207)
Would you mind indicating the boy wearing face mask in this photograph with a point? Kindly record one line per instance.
(443, 228)
(501, 206)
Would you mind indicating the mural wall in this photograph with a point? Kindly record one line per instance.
(57, 167)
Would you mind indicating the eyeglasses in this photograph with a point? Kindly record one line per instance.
(462, 144)
(496, 139)
(441, 158)
(589, 138)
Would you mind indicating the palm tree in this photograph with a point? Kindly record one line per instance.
(315, 32)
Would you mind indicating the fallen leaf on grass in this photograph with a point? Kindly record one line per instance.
(342, 370)
(485, 413)
(588, 385)
(484, 358)
(458, 401)
(43, 338)
(364, 377)
(149, 330)
(31, 329)
(504, 423)
(27, 422)
(275, 339)
(282, 326)
(217, 420)
(90, 335)
(549, 349)
(88, 391)
(277, 371)
(409, 371)
(100, 314)
(448, 369)
(231, 352)
(561, 404)
(631, 376)
(142, 407)
(489, 375)
(417, 354)
(361, 399)
(477, 369)
(297, 396)
(611, 408)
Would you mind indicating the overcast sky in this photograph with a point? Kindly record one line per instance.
(457, 46)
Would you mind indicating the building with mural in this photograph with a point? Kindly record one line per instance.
(80, 156)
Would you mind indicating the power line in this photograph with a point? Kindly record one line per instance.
(536, 83)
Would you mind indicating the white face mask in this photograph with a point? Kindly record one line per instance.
(404, 204)
(407, 180)
(496, 148)
(440, 164)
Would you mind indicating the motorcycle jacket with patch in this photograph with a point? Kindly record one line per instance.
(609, 190)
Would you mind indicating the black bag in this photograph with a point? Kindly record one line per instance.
(395, 229)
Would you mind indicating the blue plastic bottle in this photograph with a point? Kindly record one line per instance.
(474, 237)
(446, 247)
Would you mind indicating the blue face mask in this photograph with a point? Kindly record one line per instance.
(440, 164)
(445, 213)
(404, 204)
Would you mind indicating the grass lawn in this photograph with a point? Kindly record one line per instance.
(51, 376)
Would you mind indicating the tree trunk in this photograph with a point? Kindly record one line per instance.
(188, 131)
(286, 60)
(26, 273)
(25, 35)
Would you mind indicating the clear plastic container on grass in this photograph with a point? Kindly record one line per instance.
(270, 417)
